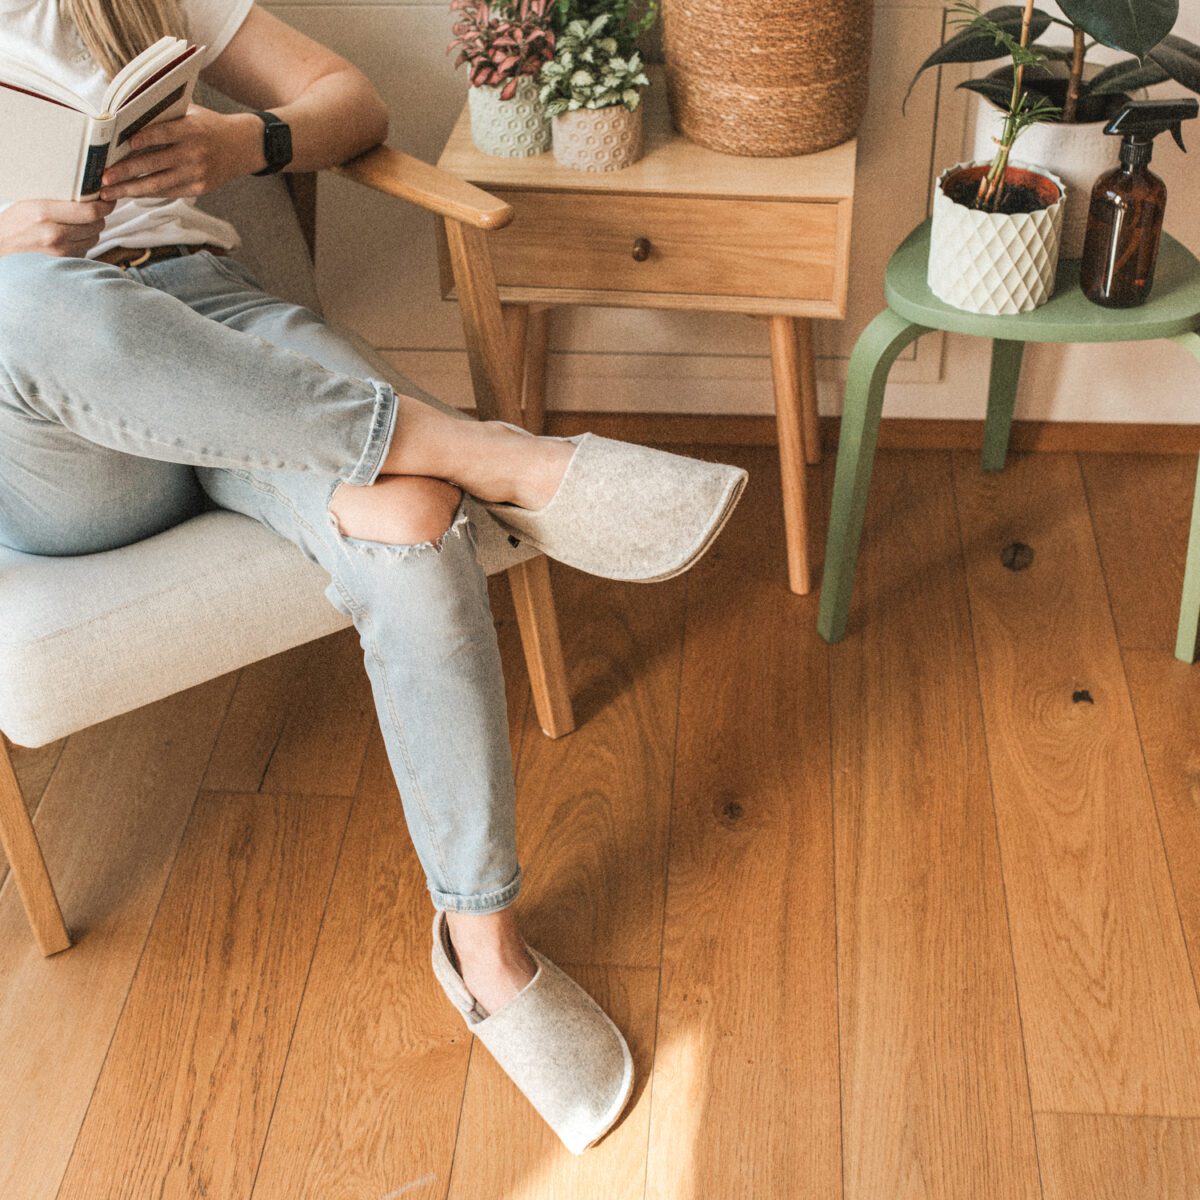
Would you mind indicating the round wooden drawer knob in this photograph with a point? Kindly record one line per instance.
(641, 249)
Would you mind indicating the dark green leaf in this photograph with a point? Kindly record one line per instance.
(1180, 60)
(996, 91)
(974, 45)
(1126, 76)
(1135, 26)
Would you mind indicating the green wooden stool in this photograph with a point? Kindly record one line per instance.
(1172, 312)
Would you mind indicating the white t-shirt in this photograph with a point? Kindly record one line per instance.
(34, 31)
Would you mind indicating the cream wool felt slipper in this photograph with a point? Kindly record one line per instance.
(628, 512)
(553, 1041)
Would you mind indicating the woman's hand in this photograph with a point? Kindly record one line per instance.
(64, 228)
(192, 155)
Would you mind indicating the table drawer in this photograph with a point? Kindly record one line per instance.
(668, 244)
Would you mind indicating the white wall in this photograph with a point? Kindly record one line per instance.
(377, 269)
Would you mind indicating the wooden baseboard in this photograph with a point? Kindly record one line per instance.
(896, 433)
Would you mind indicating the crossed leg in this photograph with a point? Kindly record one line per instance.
(100, 438)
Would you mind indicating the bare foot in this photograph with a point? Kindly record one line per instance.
(491, 954)
(524, 470)
(486, 458)
(494, 981)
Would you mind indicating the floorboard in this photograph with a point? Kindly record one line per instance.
(1141, 507)
(744, 1093)
(935, 1096)
(1133, 501)
(1110, 1013)
(110, 823)
(1119, 1158)
(375, 1074)
(182, 1106)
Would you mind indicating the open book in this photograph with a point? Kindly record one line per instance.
(55, 146)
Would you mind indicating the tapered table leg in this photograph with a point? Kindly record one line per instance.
(792, 465)
(806, 367)
(870, 363)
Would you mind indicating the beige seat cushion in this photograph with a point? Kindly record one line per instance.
(83, 639)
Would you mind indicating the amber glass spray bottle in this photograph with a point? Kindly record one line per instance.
(1126, 214)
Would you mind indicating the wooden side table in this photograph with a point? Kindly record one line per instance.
(685, 228)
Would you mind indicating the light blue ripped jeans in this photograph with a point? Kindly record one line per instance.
(130, 401)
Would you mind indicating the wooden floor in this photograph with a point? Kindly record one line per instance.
(917, 916)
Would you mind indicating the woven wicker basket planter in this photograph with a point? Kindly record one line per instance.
(768, 80)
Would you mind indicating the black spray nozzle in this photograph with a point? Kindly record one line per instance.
(1141, 121)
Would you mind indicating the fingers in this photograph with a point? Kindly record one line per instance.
(145, 163)
(74, 212)
(162, 133)
(176, 170)
(68, 240)
(169, 184)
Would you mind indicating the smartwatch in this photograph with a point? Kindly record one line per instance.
(277, 143)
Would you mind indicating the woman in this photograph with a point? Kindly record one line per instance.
(190, 385)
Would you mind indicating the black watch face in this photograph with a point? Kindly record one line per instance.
(277, 145)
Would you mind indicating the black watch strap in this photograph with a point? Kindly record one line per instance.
(277, 143)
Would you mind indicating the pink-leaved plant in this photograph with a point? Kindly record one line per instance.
(500, 42)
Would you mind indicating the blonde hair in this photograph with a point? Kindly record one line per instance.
(114, 31)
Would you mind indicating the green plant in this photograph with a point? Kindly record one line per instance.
(628, 25)
(590, 69)
(1023, 108)
(1138, 27)
(503, 41)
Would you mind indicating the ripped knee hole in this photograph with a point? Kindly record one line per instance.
(398, 510)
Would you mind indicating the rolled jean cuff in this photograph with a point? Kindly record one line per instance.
(484, 902)
(379, 440)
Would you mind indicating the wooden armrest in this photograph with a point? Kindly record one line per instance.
(407, 178)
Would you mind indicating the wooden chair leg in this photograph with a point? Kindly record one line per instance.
(494, 375)
(527, 326)
(792, 466)
(29, 873)
(538, 623)
(537, 336)
(516, 325)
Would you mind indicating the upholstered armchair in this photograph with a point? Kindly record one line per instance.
(84, 639)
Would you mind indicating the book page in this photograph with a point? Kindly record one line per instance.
(139, 69)
(40, 146)
(21, 75)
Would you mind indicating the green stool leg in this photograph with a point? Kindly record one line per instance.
(870, 363)
(1189, 604)
(1002, 399)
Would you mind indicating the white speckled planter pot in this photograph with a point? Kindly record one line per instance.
(515, 128)
(1077, 154)
(598, 139)
(991, 262)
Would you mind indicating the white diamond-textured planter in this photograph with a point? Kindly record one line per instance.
(1077, 154)
(515, 128)
(598, 139)
(994, 263)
